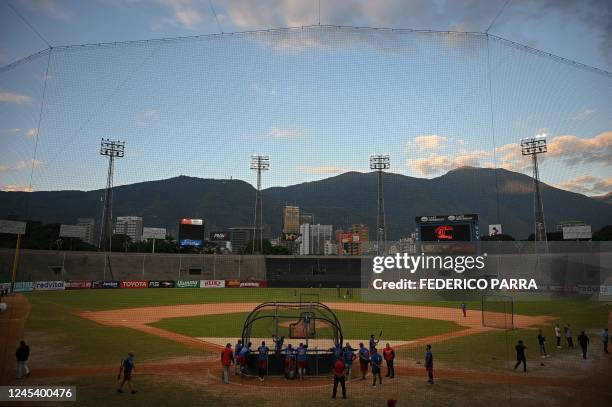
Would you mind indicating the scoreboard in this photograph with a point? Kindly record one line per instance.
(450, 234)
(191, 232)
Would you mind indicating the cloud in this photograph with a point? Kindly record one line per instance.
(584, 114)
(31, 133)
(324, 169)
(15, 98)
(20, 165)
(285, 133)
(17, 188)
(50, 8)
(431, 142)
(571, 149)
(440, 163)
(575, 150)
(185, 13)
(264, 89)
(587, 185)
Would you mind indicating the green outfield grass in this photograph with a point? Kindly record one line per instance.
(355, 325)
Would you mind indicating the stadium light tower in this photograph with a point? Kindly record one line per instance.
(112, 149)
(534, 146)
(259, 163)
(379, 163)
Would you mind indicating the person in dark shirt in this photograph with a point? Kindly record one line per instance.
(429, 364)
(22, 354)
(542, 344)
(262, 360)
(520, 356)
(339, 377)
(389, 356)
(583, 340)
(127, 366)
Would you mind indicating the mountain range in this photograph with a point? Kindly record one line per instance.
(497, 196)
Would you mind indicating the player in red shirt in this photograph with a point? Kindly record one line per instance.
(339, 370)
(389, 356)
(227, 358)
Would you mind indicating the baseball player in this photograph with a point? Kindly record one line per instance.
(237, 349)
(289, 362)
(568, 336)
(373, 343)
(22, 354)
(339, 370)
(244, 358)
(376, 361)
(364, 360)
(127, 367)
(583, 340)
(278, 343)
(337, 351)
(520, 356)
(605, 338)
(464, 309)
(542, 344)
(558, 335)
(348, 357)
(389, 356)
(301, 360)
(227, 358)
(429, 364)
(262, 360)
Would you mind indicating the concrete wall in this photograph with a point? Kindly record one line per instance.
(37, 265)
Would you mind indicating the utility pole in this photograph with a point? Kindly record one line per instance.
(379, 163)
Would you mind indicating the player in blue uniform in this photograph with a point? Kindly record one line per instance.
(376, 361)
(237, 350)
(262, 360)
(364, 360)
(348, 357)
(301, 360)
(127, 366)
(289, 362)
(245, 352)
(373, 343)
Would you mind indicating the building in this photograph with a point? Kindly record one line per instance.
(313, 238)
(89, 225)
(330, 248)
(353, 242)
(130, 226)
(291, 220)
(240, 236)
(307, 218)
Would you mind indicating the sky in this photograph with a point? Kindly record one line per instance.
(317, 100)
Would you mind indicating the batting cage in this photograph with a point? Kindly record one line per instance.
(283, 325)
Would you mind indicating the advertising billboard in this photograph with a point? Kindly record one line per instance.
(219, 236)
(76, 231)
(49, 285)
(495, 230)
(188, 284)
(12, 227)
(212, 283)
(134, 284)
(154, 233)
(577, 232)
(191, 232)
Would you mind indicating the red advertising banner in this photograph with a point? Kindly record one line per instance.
(245, 284)
(134, 284)
(78, 285)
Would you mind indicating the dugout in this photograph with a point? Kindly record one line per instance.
(308, 322)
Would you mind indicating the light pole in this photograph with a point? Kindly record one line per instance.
(533, 147)
(259, 163)
(111, 149)
(379, 163)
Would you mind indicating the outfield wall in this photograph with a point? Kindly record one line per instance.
(571, 267)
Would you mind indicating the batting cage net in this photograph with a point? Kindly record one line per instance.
(498, 311)
(290, 324)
